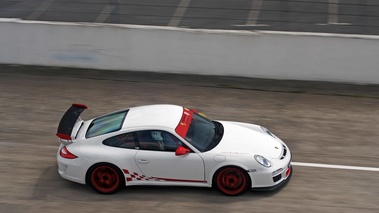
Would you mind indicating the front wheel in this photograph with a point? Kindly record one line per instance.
(105, 178)
(232, 181)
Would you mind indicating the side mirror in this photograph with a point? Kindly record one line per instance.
(181, 150)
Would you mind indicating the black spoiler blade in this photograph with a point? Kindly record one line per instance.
(68, 121)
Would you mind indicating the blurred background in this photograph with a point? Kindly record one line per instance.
(322, 123)
(331, 16)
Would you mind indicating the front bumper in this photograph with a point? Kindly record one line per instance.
(274, 177)
(277, 186)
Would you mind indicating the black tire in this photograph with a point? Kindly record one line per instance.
(231, 180)
(105, 178)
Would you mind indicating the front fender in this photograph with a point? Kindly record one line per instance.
(213, 171)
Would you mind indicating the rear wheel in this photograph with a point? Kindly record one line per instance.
(232, 181)
(105, 178)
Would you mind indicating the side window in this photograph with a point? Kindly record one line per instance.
(121, 141)
(158, 140)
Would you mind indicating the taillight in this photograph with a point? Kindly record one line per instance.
(66, 154)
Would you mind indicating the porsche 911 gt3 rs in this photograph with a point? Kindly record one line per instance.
(169, 145)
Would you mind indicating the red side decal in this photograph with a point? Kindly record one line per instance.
(180, 180)
(134, 176)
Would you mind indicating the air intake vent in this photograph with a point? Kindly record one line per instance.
(284, 153)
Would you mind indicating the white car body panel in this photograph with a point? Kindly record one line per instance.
(238, 138)
(142, 116)
(166, 166)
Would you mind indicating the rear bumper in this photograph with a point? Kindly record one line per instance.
(72, 169)
(275, 187)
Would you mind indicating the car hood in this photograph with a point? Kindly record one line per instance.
(243, 138)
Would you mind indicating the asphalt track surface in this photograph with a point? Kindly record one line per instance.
(324, 123)
(331, 16)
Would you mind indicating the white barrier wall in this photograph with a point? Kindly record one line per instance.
(278, 55)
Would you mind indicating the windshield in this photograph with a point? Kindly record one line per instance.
(203, 133)
(106, 124)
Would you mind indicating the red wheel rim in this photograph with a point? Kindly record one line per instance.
(231, 181)
(105, 179)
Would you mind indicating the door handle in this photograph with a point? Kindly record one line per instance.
(143, 161)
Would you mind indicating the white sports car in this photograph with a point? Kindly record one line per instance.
(169, 145)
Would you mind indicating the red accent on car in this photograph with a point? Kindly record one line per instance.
(80, 106)
(184, 123)
(134, 176)
(195, 111)
(181, 150)
(64, 136)
(66, 154)
(180, 180)
(288, 172)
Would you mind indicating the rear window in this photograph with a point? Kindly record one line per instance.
(106, 124)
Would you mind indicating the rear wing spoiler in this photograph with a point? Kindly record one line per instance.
(69, 120)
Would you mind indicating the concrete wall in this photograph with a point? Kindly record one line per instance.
(278, 55)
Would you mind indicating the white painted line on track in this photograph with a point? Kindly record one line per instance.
(179, 13)
(251, 25)
(254, 12)
(333, 11)
(343, 24)
(41, 9)
(331, 166)
(105, 13)
(333, 15)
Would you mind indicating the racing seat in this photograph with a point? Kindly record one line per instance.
(147, 142)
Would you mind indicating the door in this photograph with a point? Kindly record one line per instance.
(157, 159)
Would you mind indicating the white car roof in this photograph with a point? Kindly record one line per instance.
(159, 115)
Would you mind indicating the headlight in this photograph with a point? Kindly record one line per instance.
(262, 160)
(268, 132)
